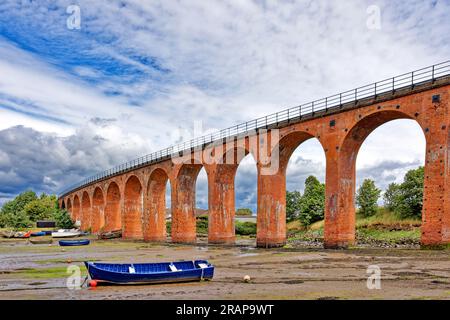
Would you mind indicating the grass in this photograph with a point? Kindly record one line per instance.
(49, 273)
(389, 236)
(387, 220)
(383, 227)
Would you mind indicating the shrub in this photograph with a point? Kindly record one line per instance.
(62, 219)
(202, 224)
(245, 228)
(244, 212)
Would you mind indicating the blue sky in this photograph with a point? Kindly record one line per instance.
(138, 76)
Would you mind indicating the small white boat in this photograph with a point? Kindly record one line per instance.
(65, 233)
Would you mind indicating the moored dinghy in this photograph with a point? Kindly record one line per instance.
(65, 233)
(7, 234)
(73, 243)
(41, 241)
(37, 234)
(110, 234)
(166, 272)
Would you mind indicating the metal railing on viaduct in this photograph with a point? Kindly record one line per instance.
(307, 110)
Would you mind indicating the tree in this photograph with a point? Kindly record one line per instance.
(293, 203)
(62, 219)
(367, 197)
(42, 208)
(19, 220)
(312, 206)
(12, 215)
(391, 197)
(411, 194)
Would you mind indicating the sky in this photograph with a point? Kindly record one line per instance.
(127, 78)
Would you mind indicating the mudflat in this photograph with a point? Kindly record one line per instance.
(29, 271)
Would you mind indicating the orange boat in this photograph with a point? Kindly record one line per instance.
(22, 234)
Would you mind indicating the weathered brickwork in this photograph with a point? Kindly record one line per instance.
(135, 200)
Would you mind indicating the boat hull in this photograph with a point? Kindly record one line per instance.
(154, 273)
(43, 241)
(73, 243)
(110, 235)
(37, 234)
(65, 234)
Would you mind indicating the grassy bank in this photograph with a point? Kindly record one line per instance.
(384, 228)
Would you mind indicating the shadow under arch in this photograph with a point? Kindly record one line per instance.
(76, 208)
(154, 224)
(271, 217)
(69, 206)
(133, 205)
(86, 213)
(97, 212)
(221, 190)
(340, 213)
(183, 228)
(112, 213)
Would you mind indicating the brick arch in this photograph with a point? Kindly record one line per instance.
(283, 150)
(221, 189)
(183, 203)
(230, 152)
(340, 215)
(133, 208)
(69, 206)
(112, 213)
(97, 213)
(76, 208)
(364, 127)
(86, 211)
(155, 214)
(271, 217)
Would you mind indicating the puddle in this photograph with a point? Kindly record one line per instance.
(247, 255)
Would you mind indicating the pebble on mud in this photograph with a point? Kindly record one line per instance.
(247, 278)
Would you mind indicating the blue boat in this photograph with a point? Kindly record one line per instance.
(69, 243)
(37, 234)
(139, 273)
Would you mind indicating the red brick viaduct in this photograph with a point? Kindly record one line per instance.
(134, 199)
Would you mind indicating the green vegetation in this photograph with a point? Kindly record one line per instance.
(241, 228)
(384, 227)
(49, 273)
(309, 207)
(312, 206)
(397, 222)
(245, 228)
(202, 224)
(408, 199)
(293, 202)
(27, 208)
(367, 197)
(244, 212)
(63, 219)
